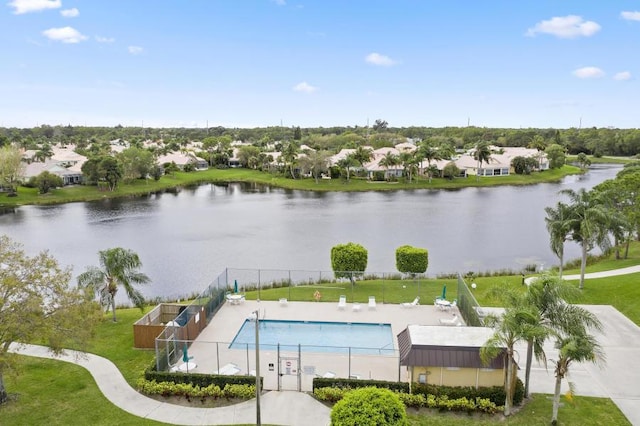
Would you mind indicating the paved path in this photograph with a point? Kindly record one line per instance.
(591, 275)
(280, 408)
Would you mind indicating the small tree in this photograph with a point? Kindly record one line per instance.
(369, 406)
(450, 171)
(37, 304)
(348, 260)
(556, 155)
(412, 260)
(45, 181)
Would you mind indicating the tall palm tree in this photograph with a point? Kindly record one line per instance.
(548, 296)
(346, 163)
(557, 221)
(589, 223)
(362, 155)
(289, 156)
(118, 267)
(409, 162)
(482, 154)
(515, 325)
(573, 345)
(389, 160)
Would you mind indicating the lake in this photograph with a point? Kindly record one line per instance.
(185, 238)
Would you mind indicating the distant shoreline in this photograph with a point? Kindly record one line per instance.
(81, 193)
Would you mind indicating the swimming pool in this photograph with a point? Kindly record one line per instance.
(316, 336)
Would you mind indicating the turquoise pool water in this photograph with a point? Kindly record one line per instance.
(315, 336)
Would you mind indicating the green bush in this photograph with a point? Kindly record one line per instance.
(321, 382)
(412, 260)
(330, 394)
(197, 379)
(369, 406)
(194, 391)
(347, 259)
(494, 394)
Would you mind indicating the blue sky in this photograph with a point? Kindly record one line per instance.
(235, 63)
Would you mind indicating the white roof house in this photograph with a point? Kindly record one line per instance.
(181, 159)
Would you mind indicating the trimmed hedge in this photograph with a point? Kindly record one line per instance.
(190, 391)
(412, 260)
(494, 394)
(442, 402)
(321, 382)
(197, 379)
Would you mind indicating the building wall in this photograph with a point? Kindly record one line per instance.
(445, 376)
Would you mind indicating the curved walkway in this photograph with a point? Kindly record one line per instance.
(280, 408)
(591, 275)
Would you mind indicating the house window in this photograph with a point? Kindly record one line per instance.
(422, 378)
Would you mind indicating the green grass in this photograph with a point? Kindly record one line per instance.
(179, 179)
(581, 411)
(58, 393)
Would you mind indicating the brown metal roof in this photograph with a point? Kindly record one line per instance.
(442, 355)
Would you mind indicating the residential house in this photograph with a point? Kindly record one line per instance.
(182, 159)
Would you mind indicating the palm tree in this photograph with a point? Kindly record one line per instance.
(362, 155)
(548, 295)
(118, 267)
(409, 161)
(557, 221)
(430, 152)
(589, 223)
(289, 156)
(389, 160)
(482, 154)
(346, 163)
(573, 345)
(517, 324)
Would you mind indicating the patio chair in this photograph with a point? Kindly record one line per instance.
(452, 321)
(372, 302)
(329, 375)
(284, 301)
(228, 370)
(342, 302)
(415, 302)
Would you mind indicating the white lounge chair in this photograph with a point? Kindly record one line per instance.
(415, 302)
(329, 375)
(284, 301)
(372, 302)
(342, 302)
(452, 321)
(228, 370)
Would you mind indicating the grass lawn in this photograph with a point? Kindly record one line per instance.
(581, 411)
(88, 193)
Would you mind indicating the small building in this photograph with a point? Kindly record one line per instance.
(449, 356)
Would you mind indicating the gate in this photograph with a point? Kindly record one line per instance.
(289, 374)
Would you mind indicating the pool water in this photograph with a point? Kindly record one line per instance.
(315, 336)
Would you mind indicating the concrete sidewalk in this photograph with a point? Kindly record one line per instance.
(278, 408)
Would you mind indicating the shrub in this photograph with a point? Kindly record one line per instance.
(494, 394)
(412, 260)
(369, 406)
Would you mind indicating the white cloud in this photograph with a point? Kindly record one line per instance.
(70, 13)
(378, 59)
(280, 2)
(100, 39)
(622, 75)
(588, 72)
(135, 50)
(28, 6)
(304, 87)
(630, 16)
(571, 26)
(64, 34)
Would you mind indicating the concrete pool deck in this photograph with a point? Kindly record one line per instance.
(209, 355)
